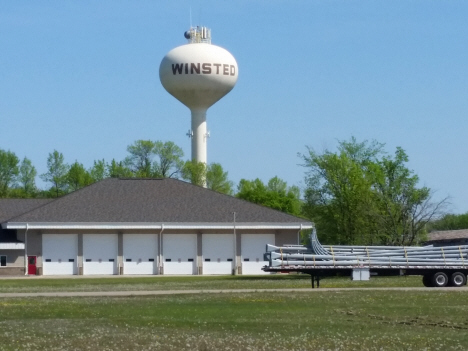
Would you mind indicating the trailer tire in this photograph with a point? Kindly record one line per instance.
(427, 281)
(458, 279)
(439, 280)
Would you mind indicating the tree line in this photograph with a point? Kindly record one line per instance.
(145, 159)
(358, 194)
(362, 195)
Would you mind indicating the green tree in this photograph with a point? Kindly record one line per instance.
(141, 157)
(194, 172)
(217, 179)
(450, 222)
(405, 208)
(8, 171)
(118, 170)
(359, 195)
(142, 163)
(338, 196)
(78, 177)
(170, 159)
(276, 194)
(27, 177)
(57, 173)
(99, 171)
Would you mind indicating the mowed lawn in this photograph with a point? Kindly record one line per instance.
(122, 283)
(327, 320)
(341, 320)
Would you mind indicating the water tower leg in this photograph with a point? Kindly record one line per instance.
(199, 138)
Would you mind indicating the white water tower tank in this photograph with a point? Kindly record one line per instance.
(198, 74)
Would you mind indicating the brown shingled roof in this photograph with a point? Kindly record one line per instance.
(10, 208)
(448, 235)
(151, 200)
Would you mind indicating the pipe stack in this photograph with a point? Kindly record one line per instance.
(345, 256)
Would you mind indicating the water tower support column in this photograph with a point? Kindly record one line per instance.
(199, 137)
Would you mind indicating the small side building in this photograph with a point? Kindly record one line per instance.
(12, 259)
(140, 226)
(448, 238)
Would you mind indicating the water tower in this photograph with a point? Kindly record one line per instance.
(198, 74)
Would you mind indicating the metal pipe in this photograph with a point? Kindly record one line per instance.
(235, 245)
(160, 264)
(374, 248)
(347, 256)
(275, 255)
(277, 263)
(26, 250)
(272, 248)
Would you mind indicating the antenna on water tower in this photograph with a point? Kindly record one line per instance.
(198, 74)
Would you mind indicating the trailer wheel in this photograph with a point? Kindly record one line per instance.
(427, 281)
(439, 280)
(457, 279)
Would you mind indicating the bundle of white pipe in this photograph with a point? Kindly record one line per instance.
(347, 255)
(390, 263)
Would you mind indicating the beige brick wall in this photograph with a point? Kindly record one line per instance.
(285, 237)
(11, 271)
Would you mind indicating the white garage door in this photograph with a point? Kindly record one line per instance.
(180, 253)
(140, 253)
(252, 250)
(59, 254)
(100, 254)
(218, 253)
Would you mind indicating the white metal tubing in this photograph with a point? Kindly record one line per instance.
(374, 262)
(402, 253)
(289, 256)
(421, 251)
(276, 263)
(338, 261)
(375, 247)
(415, 249)
(407, 249)
(270, 248)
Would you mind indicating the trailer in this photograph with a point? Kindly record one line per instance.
(438, 266)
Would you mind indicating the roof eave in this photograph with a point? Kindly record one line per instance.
(156, 225)
(12, 246)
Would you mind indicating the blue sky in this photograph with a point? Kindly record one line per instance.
(82, 77)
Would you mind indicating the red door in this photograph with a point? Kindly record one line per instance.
(32, 265)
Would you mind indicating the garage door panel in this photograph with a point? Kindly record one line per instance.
(180, 268)
(211, 268)
(252, 250)
(140, 253)
(218, 253)
(180, 254)
(59, 254)
(134, 268)
(100, 254)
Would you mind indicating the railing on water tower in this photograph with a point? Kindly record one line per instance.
(198, 35)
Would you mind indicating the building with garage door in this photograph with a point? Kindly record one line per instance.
(140, 226)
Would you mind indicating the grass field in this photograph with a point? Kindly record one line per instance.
(44, 284)
(339, 320)
(342, 320)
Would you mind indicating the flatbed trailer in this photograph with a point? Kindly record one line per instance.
(432, 276)
(438, 266)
